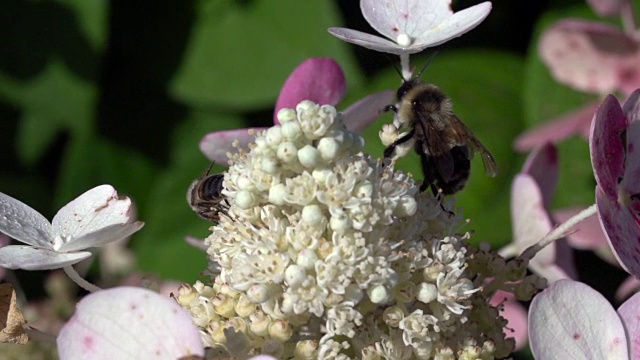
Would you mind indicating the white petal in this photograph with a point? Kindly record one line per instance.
(370, 41)
(30, 258)
(101, 237)
(629, 314)
(129, 323)
(411, 17)
(23, 223)
(570, 320)
(457, 25)
(91, 211)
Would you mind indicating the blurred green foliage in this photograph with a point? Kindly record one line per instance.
(121, 92)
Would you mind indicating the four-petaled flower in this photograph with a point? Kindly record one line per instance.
(94, 219)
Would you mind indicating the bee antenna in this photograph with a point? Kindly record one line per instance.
(209, 169)
(427, 64)
(395, 67)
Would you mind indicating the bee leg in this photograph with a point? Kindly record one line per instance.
(388, 152)
(390, 108)
(439, 195)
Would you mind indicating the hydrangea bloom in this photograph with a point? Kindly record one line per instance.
(570, 320)
(325, 252)
(94, 219)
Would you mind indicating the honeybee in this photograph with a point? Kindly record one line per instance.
(443, 142)
(205, 196)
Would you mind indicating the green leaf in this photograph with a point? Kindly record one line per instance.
(240, 54)
(93, 19)
(160, 246)
(55, 101)
(489, 103)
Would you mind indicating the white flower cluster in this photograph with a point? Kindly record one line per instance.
(327, 253)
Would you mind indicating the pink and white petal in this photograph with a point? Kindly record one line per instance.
(216, 145)
(4, 241)
(92, 211)
(623, 231)
(587, 235)
(574, 123)
(32, 258)
(23, 223)
(410, 17)
(516, 316)
(129, 323)
(629, 286)
(570, 320)
(320, 80)
(367, 110)
(590, 56)
(529, 217)
(606, 8)
(101, 237)
(371, 42)
(458, 24)
(628, 312)
(606, 145)
(542, 166)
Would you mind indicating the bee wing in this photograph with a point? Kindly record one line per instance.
(466, 135)
(435, 147)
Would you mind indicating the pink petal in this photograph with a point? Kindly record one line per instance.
(542, 166)
(587, 235)
(129, 323)
(606, 145)
(590, 56)
(23, 223)
(31, 258)
(629, 286)
(623, 231)
(629, 314)
(366, 110)
(427, 23)
(216, 145)
(370, 42)
(516, 316)
(570, 320)
(629, 187)
(574, 123)
(92, 211)
(606, 8)
(320, 80)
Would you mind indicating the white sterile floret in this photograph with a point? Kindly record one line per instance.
(338, 248)
(92, 220)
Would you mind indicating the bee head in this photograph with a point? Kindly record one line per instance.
(405, 87)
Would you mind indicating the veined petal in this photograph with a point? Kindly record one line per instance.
(129, 323)
(590, 56)
(577, 122)
(320, 80)
(101, 236)
(410, 17)
(630, 186)
(216, 145)
(570, 320)
(458, 24)
(32, 258)
(95, 209)
(366, 110)
(623, 231)
(371, 42)
(23, 223)
(606, 145)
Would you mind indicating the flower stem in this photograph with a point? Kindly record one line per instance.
(405, 66)
(73, 275)
(558, 233)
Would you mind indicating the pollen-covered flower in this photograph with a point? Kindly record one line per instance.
(325, 251)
